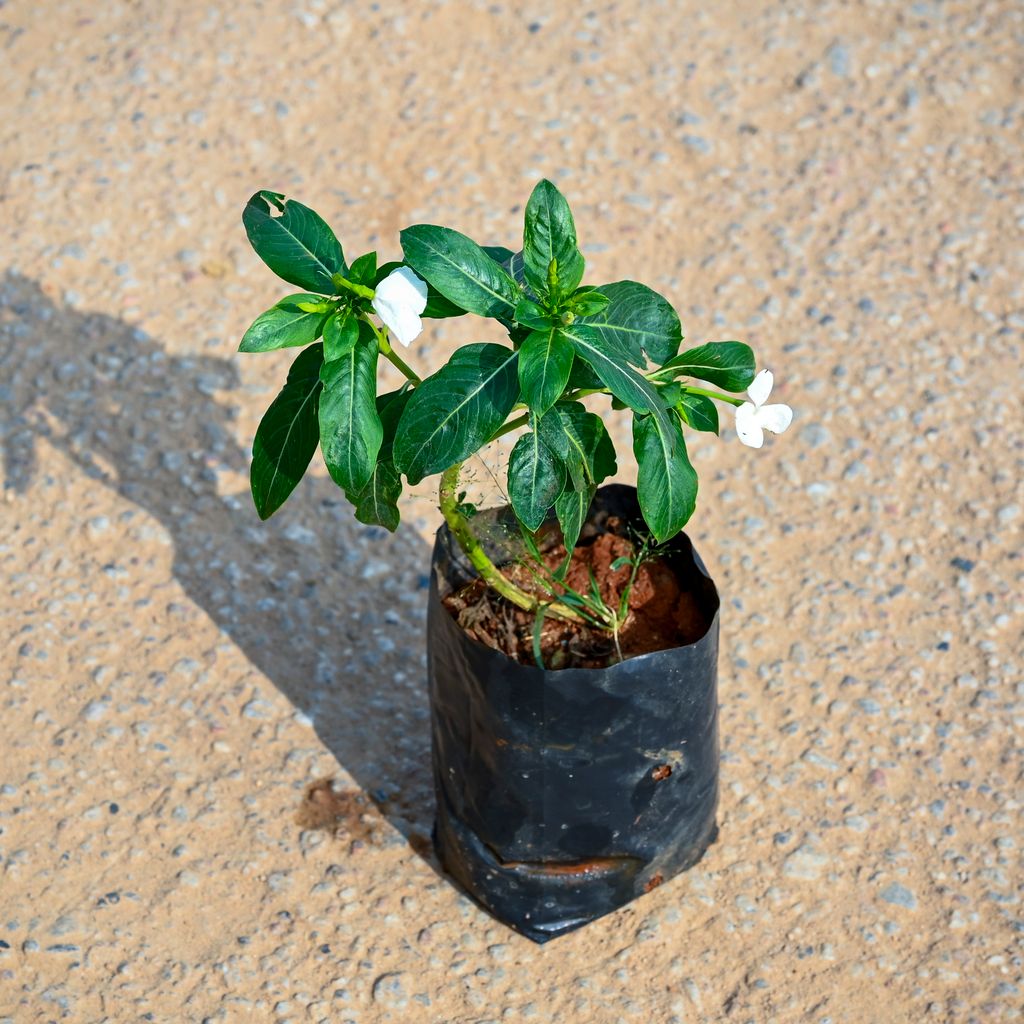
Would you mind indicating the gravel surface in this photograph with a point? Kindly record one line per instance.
(838, 183)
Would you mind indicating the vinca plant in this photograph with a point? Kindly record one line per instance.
(564, 340)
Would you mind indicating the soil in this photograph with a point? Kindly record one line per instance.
(664, 611)
(340, 813)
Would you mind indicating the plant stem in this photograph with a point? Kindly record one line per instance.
(357, 289)
(583, 392)
(396, 360)
(713, 394)
(384, 344)
(519, 421)
(489, 572)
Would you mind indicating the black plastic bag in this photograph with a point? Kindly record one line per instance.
(562, 795)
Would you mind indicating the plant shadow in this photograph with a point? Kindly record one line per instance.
(329, 610)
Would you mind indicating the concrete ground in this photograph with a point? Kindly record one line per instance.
(836, 182)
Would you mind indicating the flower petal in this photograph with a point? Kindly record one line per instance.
(761, 387)
(403, 287)
(402, 322)
(398, 301)
(747, 427)
(406, 327)
(775, 418)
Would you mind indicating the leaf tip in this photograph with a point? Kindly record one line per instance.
(263, 509)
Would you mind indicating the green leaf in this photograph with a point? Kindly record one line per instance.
(579, 438)
(574, 600)
(571, 508)
(582, 377)
(515, 267)
(457, 410)
(293, 241)
(550, 234)
(588, 302)
(376, 504)
(460, 270)
(287, 435)
(670, 394)
(384, 270)
(350, 426)
(631, 388)
(699, 412)
(666, 482)
(535, 479)
(545, 360)
(727, 364)
(364, 270)
(390, 408)
(538, 627)
(287, 324)
(531, 314)
(438, 307)
(340, 334)
(499, 253)
(638, 320)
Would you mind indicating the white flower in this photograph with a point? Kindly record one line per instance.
(753, 418)
(398, 301)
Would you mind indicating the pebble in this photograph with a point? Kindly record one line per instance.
(839, 59)
(389, 990)
(256, 708)
(899, 895)
(96, 527)
(815, 434)
(94, 710)
(696, 143)
(805, 863)
(278, 881)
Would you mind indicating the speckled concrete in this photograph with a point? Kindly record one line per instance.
(838, 183)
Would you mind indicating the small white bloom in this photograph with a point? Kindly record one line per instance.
(753, 418)
(398, 301)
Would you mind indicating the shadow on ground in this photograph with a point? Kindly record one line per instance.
(328, 609)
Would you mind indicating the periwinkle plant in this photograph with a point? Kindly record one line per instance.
(566, 340)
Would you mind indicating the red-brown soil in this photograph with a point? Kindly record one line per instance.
(662, 612)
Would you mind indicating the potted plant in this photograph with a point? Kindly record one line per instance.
(572, 634)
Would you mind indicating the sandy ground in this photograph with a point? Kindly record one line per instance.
(836, 182)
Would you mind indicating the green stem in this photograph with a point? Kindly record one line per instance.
(713, 394)
(584, 392)
(396, 360)
(384, 344)
(655, 377)
(489, 572)
(361, 290)
(519, 421)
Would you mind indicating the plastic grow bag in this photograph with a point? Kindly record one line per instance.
(564, 794)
